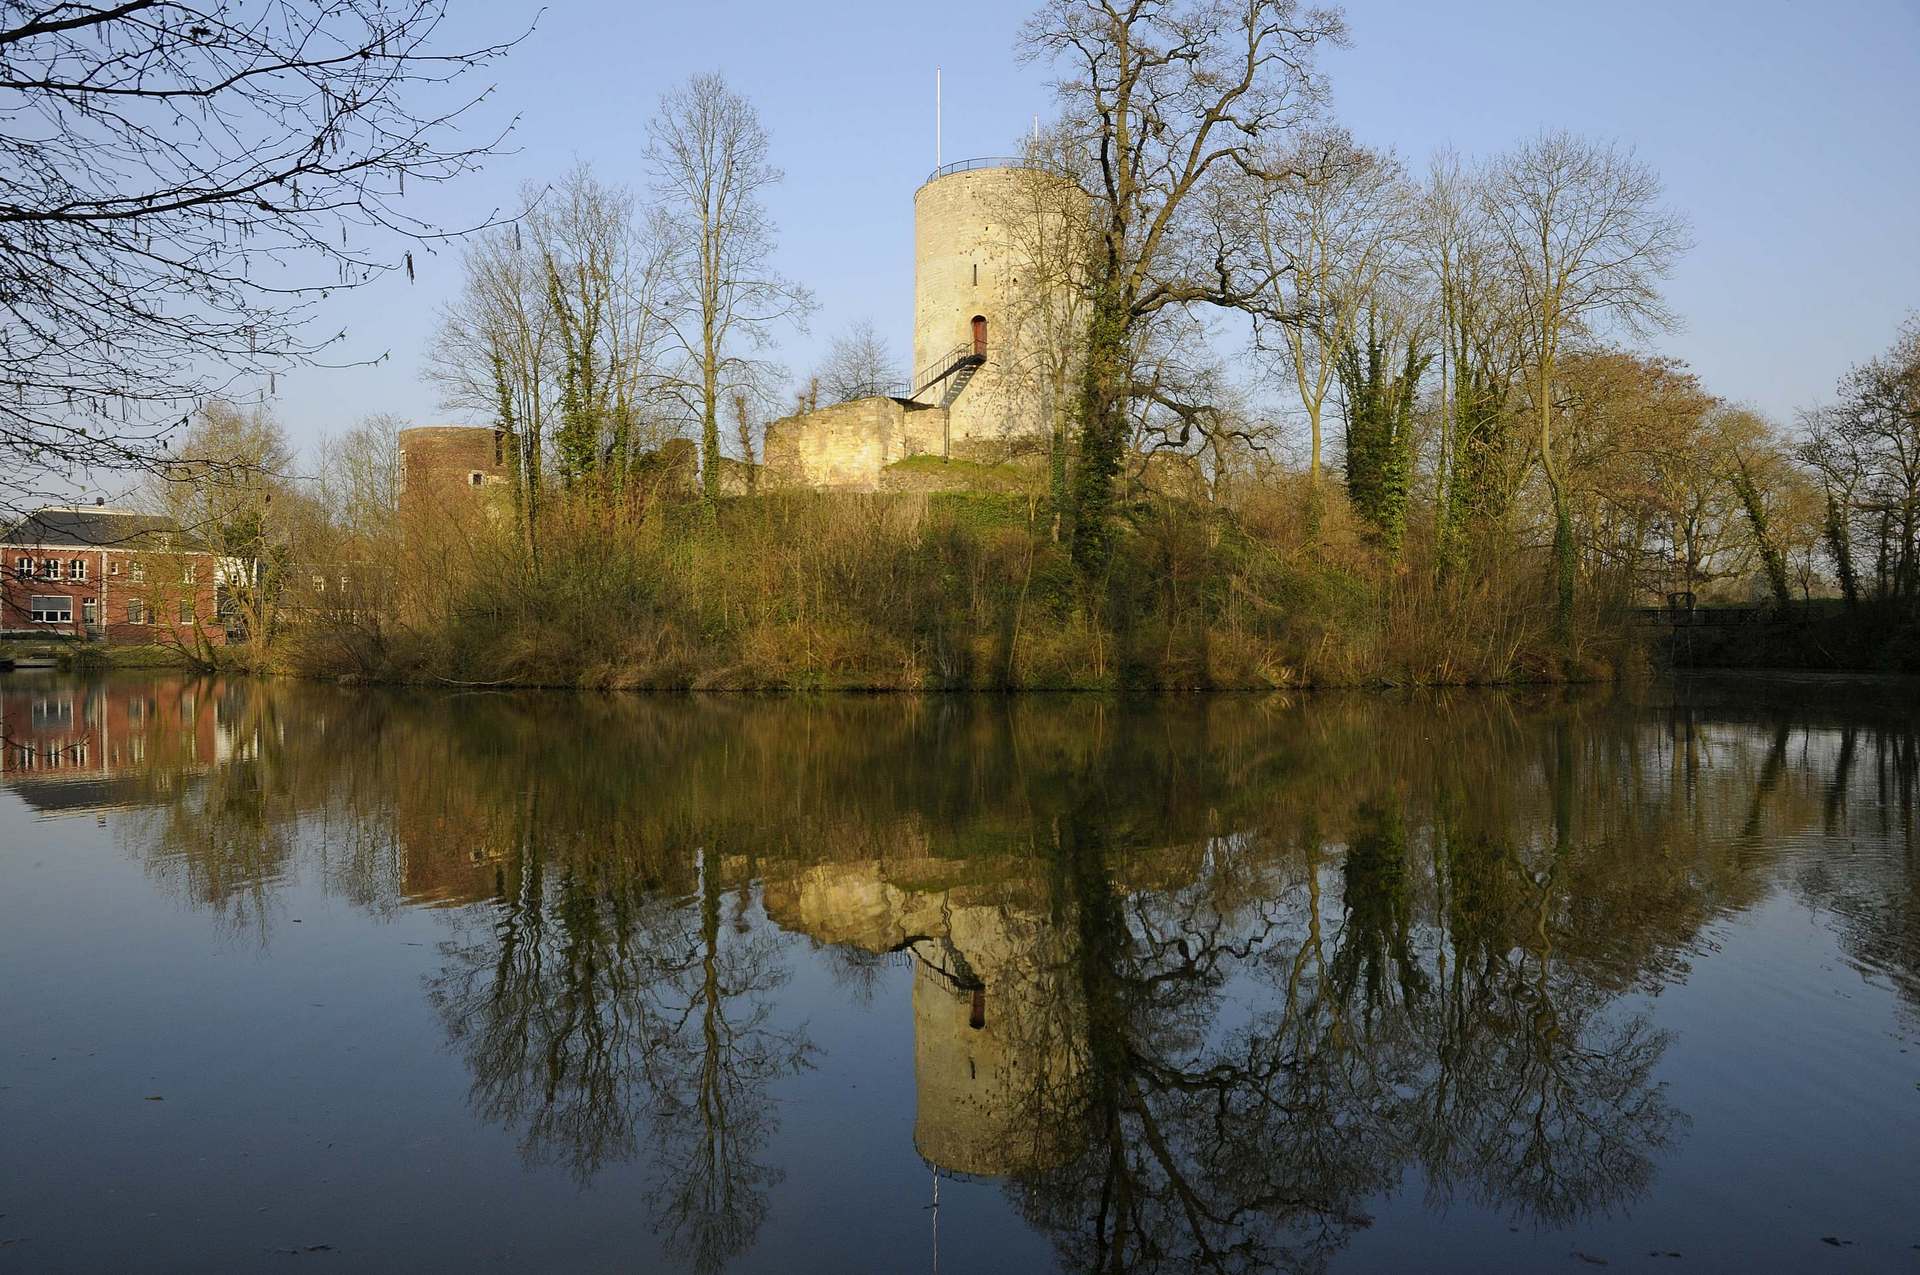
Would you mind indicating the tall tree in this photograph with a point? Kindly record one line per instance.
(1329, 232)
(606, 268)
(1167, 98)
(1478, 464)
(1044, 212)
(710, 157)
(1876, 422)
(1588, 241)
(184, 182)
(1380, 379)
(229, 489)
(558, 337)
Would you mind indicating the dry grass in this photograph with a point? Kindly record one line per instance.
(949, 591)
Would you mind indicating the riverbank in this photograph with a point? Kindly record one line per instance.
(29, 653)
(952, 591)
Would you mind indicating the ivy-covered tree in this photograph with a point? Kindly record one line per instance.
(1380, 386)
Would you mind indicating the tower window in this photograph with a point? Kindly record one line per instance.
(475, 478)
(976, 274)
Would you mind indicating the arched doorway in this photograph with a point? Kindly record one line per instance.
(980, 334)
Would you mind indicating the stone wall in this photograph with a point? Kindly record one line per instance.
(848, 446)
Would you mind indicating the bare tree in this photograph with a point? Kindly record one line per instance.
(1480, 465)
(1165, 98)
(709, 154)
(1588, 241)
(1876, 423)
(228, 489)
(181, 183)
(557, 337)
(1329, 233)
(493, 356)
(858, 363)
(1044, 212)
(606, 269)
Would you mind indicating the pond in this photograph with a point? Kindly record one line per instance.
(345, 979)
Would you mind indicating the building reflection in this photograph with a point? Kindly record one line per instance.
(77, 747)
(994, 1024)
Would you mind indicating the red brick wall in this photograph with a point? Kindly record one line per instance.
(161, 592)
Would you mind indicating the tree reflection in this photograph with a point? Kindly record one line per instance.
(1200, 981)
(596, 1013)
(1466, 1048)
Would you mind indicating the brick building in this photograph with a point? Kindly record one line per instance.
(98, 574)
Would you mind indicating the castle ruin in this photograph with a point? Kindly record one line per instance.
(969, 397)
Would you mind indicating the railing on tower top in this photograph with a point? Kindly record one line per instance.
(995, 161)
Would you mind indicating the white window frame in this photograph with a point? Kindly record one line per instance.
(139, 573)
(137, 612)
(23, 567)
(35, 610)
(77, 569)
(90, 611)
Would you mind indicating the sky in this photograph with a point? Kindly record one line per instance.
(1784, 131)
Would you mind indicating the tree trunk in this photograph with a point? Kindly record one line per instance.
(1103, 431)
(1563, 563)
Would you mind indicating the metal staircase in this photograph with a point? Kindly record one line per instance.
(961, 376)
(956, 367)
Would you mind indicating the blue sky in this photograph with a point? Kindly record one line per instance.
(1785, 131)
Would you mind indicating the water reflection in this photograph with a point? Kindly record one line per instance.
(1200, 982)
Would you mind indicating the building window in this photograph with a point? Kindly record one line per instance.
(343, 584)
(139, 572)
(186, 612)
(49, 568)
(23, 567)
(113, 567)
(90, 611)
(976, 274)
(77, 569)
(136, 612)
(475, 478)
(319, 584)
(48, 609)
(187, 574)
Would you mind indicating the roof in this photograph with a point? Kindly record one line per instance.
(95, 527)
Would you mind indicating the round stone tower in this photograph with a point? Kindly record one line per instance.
(969, 301)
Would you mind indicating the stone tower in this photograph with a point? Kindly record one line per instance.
(444, 468)
(980, 325)
(969, 299)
